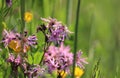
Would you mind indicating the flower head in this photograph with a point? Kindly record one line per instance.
(15, 45)
(57, 32)
(32, 40)
(13, 40)
(11, 58)
(34, 71)
(16, 61)
(78, 72)
(62, 74)
(58, 58)
(28, 16)
(80, 61)
(8, 36)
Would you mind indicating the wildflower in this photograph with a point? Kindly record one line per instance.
(8, 36)
(78, 72)
(32, 40)
(15, 45)
(57, 32)
(11, 58)
(16, 61)
(62, 74)
(58, 58)
(34, 71)
(28, 16)
(80, 61)
(58, 35)
(51, 22)
(9, 3)
(13, 40)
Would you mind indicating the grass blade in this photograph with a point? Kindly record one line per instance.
(76, 36)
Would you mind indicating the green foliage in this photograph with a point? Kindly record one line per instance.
(37, 57)
(96, 71)
(98, 31)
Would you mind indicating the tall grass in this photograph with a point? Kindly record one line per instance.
(69, 12)
(76, 36)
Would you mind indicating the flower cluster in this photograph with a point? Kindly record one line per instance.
(29, 70)
(60, 58)
(13, 40)
(15, 61)
(33, 71)
(56, 57)
(56, 31)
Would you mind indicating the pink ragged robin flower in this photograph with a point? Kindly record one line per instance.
(13, 40)
(80, 61)
(57, 32)
(58, 58)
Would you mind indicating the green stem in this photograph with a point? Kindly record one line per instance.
(22, 15)
(22, 3)
(76, 36)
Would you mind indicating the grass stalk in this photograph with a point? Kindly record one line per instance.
(22, 3)
(76, 36)
(68, 12)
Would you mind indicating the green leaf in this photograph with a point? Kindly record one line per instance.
(37, 57)
(30, 59)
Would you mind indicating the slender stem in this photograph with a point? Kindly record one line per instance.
(75, 38)
(22, 3)
(46, 46)
(22, 15)
(43, 54)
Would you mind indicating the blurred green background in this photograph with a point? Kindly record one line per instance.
(98, 31)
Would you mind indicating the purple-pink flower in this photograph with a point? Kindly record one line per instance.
(32, 40)
(80, 61)
(11, 58)
(16, 61)
(8, 36)
(57, 32)
(34, 71)
(59, 58)
(13, 40)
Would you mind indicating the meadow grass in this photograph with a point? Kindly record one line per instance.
(98, 31)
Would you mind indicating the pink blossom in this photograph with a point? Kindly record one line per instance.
(57, 32)
(80, 61)
(58, 58)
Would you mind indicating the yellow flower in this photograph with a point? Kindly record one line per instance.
(62, 73)
(28, 16)
(16, 46)
(78, 72)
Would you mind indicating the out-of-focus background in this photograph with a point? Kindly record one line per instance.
(98, 31)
